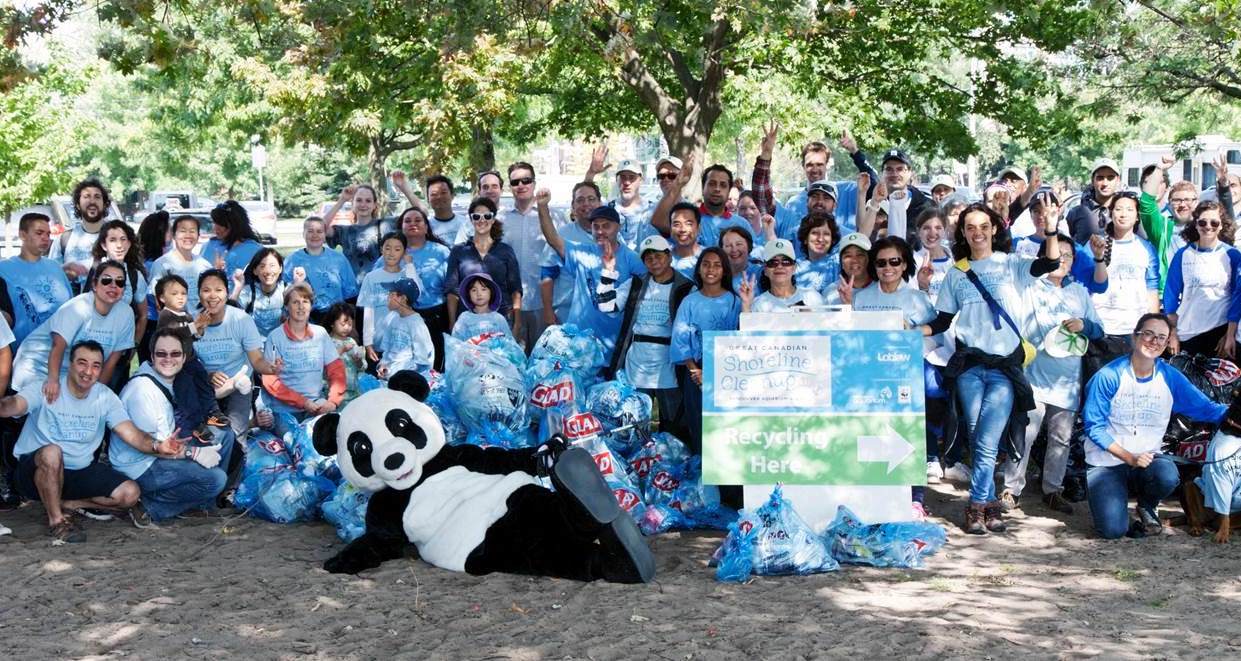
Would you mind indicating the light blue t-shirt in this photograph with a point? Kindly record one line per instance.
(453, 230)
(224, 347)
(431, 263)
(753, 269)
(1057, 381)
(406, 344)
(74, 247)
(171, 262)
(634, 221)
(76, 425)
(149, 409)
(373, 298)
(470, 324)
(76, 321)
(236, 258)
(685, 265)
(711, 226)
(820, 275)
(328, 273)
(911, 302)
(132, 292)
(801, 297)
(595, 304)
(37, 290)
(304, 360)
(1005, 276)
(553, 268)
(267, 310)
(1221, 475)
(700, 313)
(647, 363)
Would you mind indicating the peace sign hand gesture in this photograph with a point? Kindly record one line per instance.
(768, 145)
(925, 273)
(746, 291)
(844, 287)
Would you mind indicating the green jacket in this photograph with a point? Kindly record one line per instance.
(1160, 230)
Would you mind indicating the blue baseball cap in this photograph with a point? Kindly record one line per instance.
(406, 287)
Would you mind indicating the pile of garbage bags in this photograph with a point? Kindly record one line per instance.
(773, 540)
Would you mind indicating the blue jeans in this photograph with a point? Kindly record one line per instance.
(1109, 488)
(986, 398)
(172, 486)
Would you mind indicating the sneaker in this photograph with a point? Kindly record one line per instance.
(993, 517)
(934, 472)
(5, 530)
(1056, 501)
(1008, 502)
(140, 518)
(67, 532)
(94, 513)
(975, 523)
(920, 512)
(958, 473)
(217, 419)
(1150, 521)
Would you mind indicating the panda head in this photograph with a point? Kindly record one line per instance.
(385, 436)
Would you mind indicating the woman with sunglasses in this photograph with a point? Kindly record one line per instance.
(485, 252)
(982, 293)
(1202, 295)
(1127, 409)
(1133, 282)
(95, 315)
(780, 292)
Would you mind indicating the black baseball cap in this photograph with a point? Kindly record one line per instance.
(896, 155)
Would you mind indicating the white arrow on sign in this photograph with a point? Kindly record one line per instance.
(890, 447)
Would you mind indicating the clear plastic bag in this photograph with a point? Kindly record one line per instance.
(619, 404)
(576, 349)
(897, 544)
(346, 510)
(273, 488)
(555, 395)
(736, 555)
(782, 544)
(486, 384)
(302, 450)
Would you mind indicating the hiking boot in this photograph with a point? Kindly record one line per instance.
(1056, 501)
(1008, 502)
(975, 523)
(140, 518)
(993, 517)
(934, 472)
(67, 532)
(1150, 520)
(94, 513)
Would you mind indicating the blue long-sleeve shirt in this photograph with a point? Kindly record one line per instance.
(1202, 288)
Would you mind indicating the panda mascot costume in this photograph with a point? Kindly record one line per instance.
(472, 509)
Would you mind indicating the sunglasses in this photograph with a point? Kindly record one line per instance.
(779, 261)
(168, 354)
(524, 181)
(482, 216)
(107, 280)
(666, 176)
(1209, 223)
(893, 262)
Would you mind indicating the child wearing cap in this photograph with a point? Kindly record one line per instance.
(780, 292)
(406, 342)
(373, 296)
(481, 295)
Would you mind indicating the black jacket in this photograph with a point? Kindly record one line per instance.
(681, 287)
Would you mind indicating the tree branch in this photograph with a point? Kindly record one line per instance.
(681, 68)
(618, 47)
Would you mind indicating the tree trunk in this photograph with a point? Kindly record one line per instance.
(376, 164)
(482, 154)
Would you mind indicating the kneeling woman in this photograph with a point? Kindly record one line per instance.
(310, 362)
(1128, 405)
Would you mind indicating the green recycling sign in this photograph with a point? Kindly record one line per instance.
(814, 407)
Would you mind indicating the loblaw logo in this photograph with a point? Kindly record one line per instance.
(893, 357)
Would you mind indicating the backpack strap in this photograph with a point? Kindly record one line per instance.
(162, 388)
(997, 312)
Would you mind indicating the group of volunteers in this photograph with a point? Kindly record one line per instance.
(135, 362)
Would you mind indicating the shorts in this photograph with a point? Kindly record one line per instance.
(94, 481)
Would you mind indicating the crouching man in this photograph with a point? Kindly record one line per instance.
(58, 442)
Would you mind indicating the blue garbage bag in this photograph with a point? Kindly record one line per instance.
(897, 544)
(367, 383)
(273, 488)
(346, 510)
(736, 555)
(302, 450)
(555, 394)
(485, 384)
(490, 434)
(661, 451)
(784, 543)
(440, 401)
(574, 347)
(618, 404)
(677, 499)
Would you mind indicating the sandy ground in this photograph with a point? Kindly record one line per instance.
(211, 588)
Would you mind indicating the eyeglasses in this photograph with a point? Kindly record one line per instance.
(524, 181)
(107, 280)
(1152, 336)
(893, 262)
(666, 176)
(1183, 200)
(779, 261)
(482, 216)
(168, 354)
(1208, 223)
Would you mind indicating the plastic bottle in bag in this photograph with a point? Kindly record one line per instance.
(346, 509)
(896, 544)
(782, 544)
(273, 488)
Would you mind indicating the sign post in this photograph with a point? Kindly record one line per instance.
(840, 408)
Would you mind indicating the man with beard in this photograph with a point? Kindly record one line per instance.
(73, 250)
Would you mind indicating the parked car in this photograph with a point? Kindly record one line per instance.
(262, 220)
(343, 217)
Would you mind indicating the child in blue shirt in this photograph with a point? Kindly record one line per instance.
(406, 342)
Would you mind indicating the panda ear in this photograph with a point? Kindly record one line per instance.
(325, 434)
(411, 383)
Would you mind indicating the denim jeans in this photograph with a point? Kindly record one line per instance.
(1110, 486)
(986, 398)
(172, 486)
(1059, 424)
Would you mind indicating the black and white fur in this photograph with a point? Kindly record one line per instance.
(472, 509)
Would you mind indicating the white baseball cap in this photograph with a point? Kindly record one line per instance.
(670, 160)
(855, 239)
(1109, 163)
(654, 242)
(1015, 171)
(943, 180)
(777, 248)
(629, 165)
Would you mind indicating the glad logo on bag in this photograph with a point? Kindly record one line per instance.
(1194, 450)
(603, 461)
(664, 481)
(625, 498)
(546, 396)
(642, 465)
(581, 425)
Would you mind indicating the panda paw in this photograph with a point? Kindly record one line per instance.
(342, 563)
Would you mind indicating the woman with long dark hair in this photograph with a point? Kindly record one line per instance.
(1202, 295)
(154, 237)
(117, 242)
(486, 251)
(259, 290)
(235, 242)
(429, 256)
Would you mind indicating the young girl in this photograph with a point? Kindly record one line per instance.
(429, 257)
(780, 293)
(406, 343)
(362, 241)
(259, 291)
(483, 295)
(373, 297)
(339, 320)
(714, 306)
